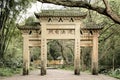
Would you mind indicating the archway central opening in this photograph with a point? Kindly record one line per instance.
(60, 53)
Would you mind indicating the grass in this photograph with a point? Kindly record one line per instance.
(67, 67)
(9, 72)
(115, 73)
(116, 76)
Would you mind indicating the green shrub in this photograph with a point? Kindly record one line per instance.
(9, 72)
(67, 67)
(115, 73)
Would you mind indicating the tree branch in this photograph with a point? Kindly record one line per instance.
(110, 13)
(87, 5)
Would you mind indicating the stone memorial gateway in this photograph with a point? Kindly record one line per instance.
(58, 24)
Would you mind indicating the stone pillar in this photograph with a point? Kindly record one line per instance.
(77, 51)
(26, 54)
(43, 50)
(95, 55)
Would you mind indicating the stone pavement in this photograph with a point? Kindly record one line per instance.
(55, 74)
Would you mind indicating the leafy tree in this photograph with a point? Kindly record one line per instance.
(53, 50)
(61, 49)
(9, 10)
(109, 42)
(29, 21)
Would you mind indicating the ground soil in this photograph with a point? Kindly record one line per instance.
(56, 74)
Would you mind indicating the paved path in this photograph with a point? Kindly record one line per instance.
(54, 74)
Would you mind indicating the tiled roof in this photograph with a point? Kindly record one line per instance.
(92, 26)
(61, 13)
(32, 26)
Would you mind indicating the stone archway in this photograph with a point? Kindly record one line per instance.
(60, 25)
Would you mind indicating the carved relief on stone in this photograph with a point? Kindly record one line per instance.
(43, 46)
(57, 31)
(50, 31)
(55, 19)
(62, 31)
(71, 31)
(76, 18)
(77, 47)
(60, 19)
(65, 19)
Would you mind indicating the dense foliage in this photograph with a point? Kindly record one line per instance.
(9, 36)
(9, 11)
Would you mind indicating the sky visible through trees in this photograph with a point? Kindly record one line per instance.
(36, 8)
